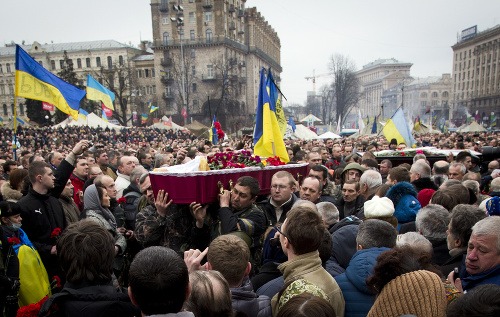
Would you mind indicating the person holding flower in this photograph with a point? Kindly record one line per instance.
(23, 268)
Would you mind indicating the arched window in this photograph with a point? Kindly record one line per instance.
(120, 60)
(165, 38)
(110, 62)
(209, 34)
(434, 94)
(445, 94)
(98, 61)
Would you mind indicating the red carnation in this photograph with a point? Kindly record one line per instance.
(14, 240)
(121, 200)
(31, 309)
(56, 232)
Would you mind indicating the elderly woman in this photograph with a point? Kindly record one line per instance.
(96, 202)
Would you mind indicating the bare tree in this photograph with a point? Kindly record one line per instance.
(345, 84)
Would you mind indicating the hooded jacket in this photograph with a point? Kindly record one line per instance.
(10, 193)
(404, 197)
(245, 300)
(358, 297)
(343, 248)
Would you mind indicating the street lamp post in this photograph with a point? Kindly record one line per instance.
(180, 23)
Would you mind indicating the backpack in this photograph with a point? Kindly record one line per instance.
(130, 208)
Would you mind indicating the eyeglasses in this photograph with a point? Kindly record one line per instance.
(279, 186)
(275, 241)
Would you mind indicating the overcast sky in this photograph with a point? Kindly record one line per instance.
(417, 31)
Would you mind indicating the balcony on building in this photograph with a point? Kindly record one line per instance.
(232, 26)
(208, 4)
(169, 96)
(231, 8)
(241, 13)
(164, 7)
(208, 77)
(167, 79)
(166, 62)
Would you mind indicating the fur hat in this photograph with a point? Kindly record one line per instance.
(419, 293)
(380, 208)
(424, 196)
(9, 209)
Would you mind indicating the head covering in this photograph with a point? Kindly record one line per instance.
(298, 287)
(424, 196)
(493, 206)
(353, 166)
(92, 202)
(380, 208)
(452, 196)
(9, 209)
(419, 293)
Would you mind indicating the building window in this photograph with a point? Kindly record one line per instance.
(21, 109)
(1, 69)
(87, 62)
(8, 67)
(146, 73)
(168, 91)
(5, 112)
(2, 89)
(164, 20)
(61, 64)
(148, 90)
(434, 94)
(423, 103)
(208, 16)
(210, 71)
(98, 61)
(143, 91)
(154, 90)
(79, 62)
(193, 53)
(120, 60)
(194, 87)
(53, 64)
(191, 17)
(191, 35)
(153, 73)
(423, 95)
(110, 62)
(193, 70)
(165, 38)
(209, 35)
(139, 73)
(445, 94)
(195, 104)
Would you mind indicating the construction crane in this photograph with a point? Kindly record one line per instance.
(314, 76)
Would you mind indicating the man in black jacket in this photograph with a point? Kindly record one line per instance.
(42, 213)
(281, 199)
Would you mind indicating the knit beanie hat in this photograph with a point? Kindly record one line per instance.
(424, 196)
(381, 208)
(419, 293)
(493, 206)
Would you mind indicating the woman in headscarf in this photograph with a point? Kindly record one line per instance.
(96, 202)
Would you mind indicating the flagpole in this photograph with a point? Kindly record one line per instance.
(14, 145)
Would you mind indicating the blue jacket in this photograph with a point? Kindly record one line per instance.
(357, 296)
(491, 276)
(246, 301)
(406, 205)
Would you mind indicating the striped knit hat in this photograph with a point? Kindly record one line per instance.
(420, 293)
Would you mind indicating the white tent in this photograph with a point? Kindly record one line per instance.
(311, 119)
(91, 120)
(303, 132)
(473, 127)
(329, 135)
(166, 124)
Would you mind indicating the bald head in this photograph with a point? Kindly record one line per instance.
(440, 168)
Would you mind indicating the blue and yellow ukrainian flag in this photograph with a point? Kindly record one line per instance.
(397, 128)
(212, 133)
(275, 98)
(96, 91)
(267, 138)
(35, 82)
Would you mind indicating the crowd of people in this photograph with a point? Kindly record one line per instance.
(83, 233)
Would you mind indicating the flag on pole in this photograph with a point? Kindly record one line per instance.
(96, 91)
(20, 121)
(108, 112)
(338, 125)
(493, 119)
(361, 123)
(396, 128)
(104, 116)
(275, 98)
(374, 126)
(35, 82)
(153, 109)
(144, 118)
(47, 106)
(267, 136)
(213, 133)
(291, 123)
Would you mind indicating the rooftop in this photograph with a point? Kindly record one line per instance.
(10, 49)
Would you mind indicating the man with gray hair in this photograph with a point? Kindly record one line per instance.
(456, 171)
(369, 183)
(432, 222)
(482, 263)
(374, 237)
(329, 213)
(420, 176)
(462, 218)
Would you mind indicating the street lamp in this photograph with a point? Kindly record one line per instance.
(179, 20)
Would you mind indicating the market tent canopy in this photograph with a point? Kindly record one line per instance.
(304, 133)
(197, 128)
(91, 120)
(166, 124)
(310, 118)
(473, 127)
(329, 135)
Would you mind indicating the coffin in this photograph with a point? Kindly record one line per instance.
(201, 186)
